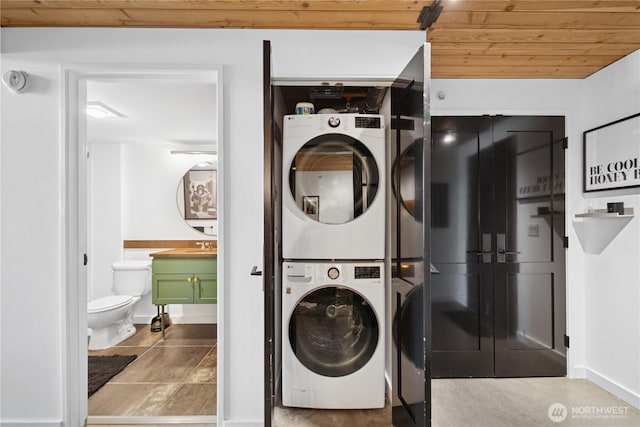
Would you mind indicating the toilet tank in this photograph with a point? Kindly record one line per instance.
(131, 277)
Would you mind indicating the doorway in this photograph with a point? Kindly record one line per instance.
(498, 240)
(407, 110)
(106, 165)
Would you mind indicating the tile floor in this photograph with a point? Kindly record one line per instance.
(490, 402)
(177, 377)
(171, 377)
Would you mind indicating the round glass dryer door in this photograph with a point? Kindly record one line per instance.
(333, 331)
(333, 179)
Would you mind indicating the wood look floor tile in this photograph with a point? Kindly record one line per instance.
(163, 364)
(142, 338)
(191, 334)
(122, 351)
(207, 370)
(131, 399)
(191, 399)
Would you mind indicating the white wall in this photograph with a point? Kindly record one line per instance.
(31, 138)
(103, 216)
(612, 278)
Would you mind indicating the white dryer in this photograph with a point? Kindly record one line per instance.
(333, 335)
(333, 187)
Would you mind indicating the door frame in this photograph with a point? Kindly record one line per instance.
(73, 184)
(269, 312)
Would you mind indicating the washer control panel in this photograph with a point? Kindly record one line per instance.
(309, 273)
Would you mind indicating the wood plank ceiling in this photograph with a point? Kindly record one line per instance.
(470, 39)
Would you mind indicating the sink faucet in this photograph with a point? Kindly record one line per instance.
(205, 245)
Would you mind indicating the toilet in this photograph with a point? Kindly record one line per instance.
(110, 318)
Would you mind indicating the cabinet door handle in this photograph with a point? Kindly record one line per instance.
(196, 279)
(255, 272)
(189, 279)
(503, 252)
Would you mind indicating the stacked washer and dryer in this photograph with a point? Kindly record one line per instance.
(333, 245)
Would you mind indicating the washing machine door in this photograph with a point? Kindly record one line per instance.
(334, 178)
(333, 331)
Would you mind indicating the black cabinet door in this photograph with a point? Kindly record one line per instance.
(411, 257)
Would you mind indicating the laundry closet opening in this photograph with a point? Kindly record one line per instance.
(332, 347)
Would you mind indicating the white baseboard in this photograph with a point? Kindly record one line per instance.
(29, 423)
(613, 388)
(579, 372)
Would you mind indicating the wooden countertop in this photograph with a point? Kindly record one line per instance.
(186, 253)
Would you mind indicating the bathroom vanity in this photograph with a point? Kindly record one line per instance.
(184, 276)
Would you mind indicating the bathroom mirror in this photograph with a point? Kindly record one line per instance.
(197, 199)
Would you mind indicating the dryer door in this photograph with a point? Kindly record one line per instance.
(334, 178)
(333, 331)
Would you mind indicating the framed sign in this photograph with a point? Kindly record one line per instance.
(612, 155)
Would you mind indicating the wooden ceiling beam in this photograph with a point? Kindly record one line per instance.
(572, 6)
(499, 49)
(524, 60)
(511, 72)
(542, 35)
(283, 5)
(180, 18)
(523, 20)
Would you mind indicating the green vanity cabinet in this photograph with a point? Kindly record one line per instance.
(184, 281)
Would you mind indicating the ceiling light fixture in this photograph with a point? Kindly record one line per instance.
(100, 111)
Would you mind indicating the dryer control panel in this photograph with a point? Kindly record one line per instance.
(368, 122)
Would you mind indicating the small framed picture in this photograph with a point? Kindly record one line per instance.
(200, 199)
(612, 155)
(311, 206)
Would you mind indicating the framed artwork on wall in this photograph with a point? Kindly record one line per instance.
(200, 199)
(611, 155)
(311, 206)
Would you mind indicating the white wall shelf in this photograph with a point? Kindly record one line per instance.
(602, 213)
(597, 229)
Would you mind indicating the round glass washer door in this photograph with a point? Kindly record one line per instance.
(333, 179)
(333, 331)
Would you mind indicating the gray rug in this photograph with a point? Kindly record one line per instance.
(103, 368)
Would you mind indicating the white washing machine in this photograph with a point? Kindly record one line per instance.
(333, 187)
(333, 335)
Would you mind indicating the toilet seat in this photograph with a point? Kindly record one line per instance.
(108, 303)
